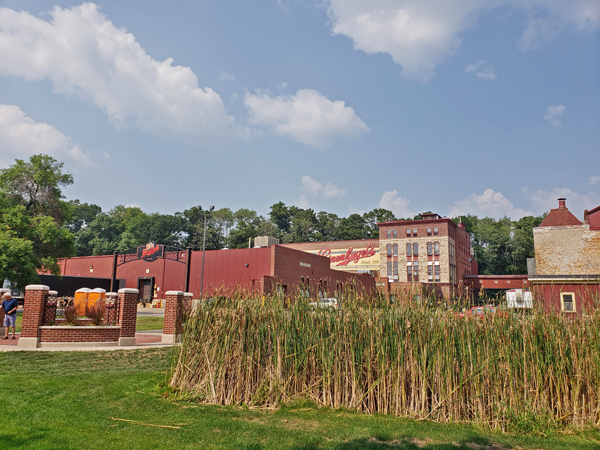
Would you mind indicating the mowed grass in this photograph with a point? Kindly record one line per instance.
(149, 323)
(65, 400)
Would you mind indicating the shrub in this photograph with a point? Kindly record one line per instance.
(70, 314)
(95, 312)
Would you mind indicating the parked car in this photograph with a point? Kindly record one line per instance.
(481, 312)
(329, 304)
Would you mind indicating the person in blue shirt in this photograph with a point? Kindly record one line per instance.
(9, 305)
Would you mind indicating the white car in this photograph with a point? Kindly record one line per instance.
(330, 304)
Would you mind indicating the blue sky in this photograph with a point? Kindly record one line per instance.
(483, 107)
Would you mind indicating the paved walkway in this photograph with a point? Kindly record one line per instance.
(143, 339)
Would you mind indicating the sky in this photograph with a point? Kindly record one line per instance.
(485, 107)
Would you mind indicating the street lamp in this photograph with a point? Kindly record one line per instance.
(204, 213)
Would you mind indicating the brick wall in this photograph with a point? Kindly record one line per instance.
(128, 300)
(289, 266)
(33, 310)
(60, 334)
(173, 312)
(568, 250)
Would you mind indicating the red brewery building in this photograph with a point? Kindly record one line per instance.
(259, 270)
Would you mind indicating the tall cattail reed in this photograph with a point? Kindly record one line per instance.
(402, 359)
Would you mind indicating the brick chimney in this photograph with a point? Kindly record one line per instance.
(562, 203)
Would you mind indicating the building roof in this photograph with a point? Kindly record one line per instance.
(560, 217)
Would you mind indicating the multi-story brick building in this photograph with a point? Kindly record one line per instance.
(433, 251)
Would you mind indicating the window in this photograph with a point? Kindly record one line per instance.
(415, 271)
(428, 231)
(395, 249)
(414, 232)
(436, 248)
(435, 231)
(408, 249)
(389, 234)
(396, 269)
(409, 271)
(395, 234)
(430, 272)
(429, 248)
(567, 301)
(389, 269)
(415, 249)
(408, 233)
(437, 273)
(389, 249)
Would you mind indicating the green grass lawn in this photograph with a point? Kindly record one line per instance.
(143, 323)
(149, 323)
(65, 400)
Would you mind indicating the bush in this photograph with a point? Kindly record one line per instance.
(96, 312)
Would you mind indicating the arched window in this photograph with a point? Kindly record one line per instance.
(436, 248)
(395, 249)
(415, 249)
(408, 249)
(429, 249)
(389, 249)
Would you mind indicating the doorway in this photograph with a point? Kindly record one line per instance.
(146, 288)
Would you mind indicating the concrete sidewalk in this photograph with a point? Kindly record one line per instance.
(143, 339)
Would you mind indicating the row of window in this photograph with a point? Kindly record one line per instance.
(412, 270)
(415, 232)
(433, 248)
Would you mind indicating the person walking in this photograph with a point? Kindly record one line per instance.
(9, 305)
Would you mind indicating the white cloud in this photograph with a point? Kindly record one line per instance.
(543, 201)
(307, 116)
(399, 206)
(328, 190)
(226, 76)
(21, 137)
(594, 180)
(482, 69)
(419, 35)
(488, 204)
(354, 210)
(84, 54)
(133, 205)
(106, 155)
(302, 202)
(554, 114)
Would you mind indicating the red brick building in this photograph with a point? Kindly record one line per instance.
(254, 270)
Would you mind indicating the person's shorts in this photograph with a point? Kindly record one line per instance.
(10, 320)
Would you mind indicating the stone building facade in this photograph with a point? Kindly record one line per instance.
(433, 250)
(566, 246)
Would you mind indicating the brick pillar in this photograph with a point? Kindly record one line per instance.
(2, 291)
(33, 314)
(128, 300)
(173, 317)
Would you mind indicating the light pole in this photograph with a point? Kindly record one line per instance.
(204, 213)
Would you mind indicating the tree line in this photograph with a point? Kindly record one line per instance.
(39, 225)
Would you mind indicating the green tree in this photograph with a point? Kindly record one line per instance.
(522, 243)
(352, 227)
(81, 215)
(36, 184)
(32, 214)
(375, 217)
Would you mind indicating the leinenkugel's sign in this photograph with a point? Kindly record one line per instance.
(150, 252)
(353, 259)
